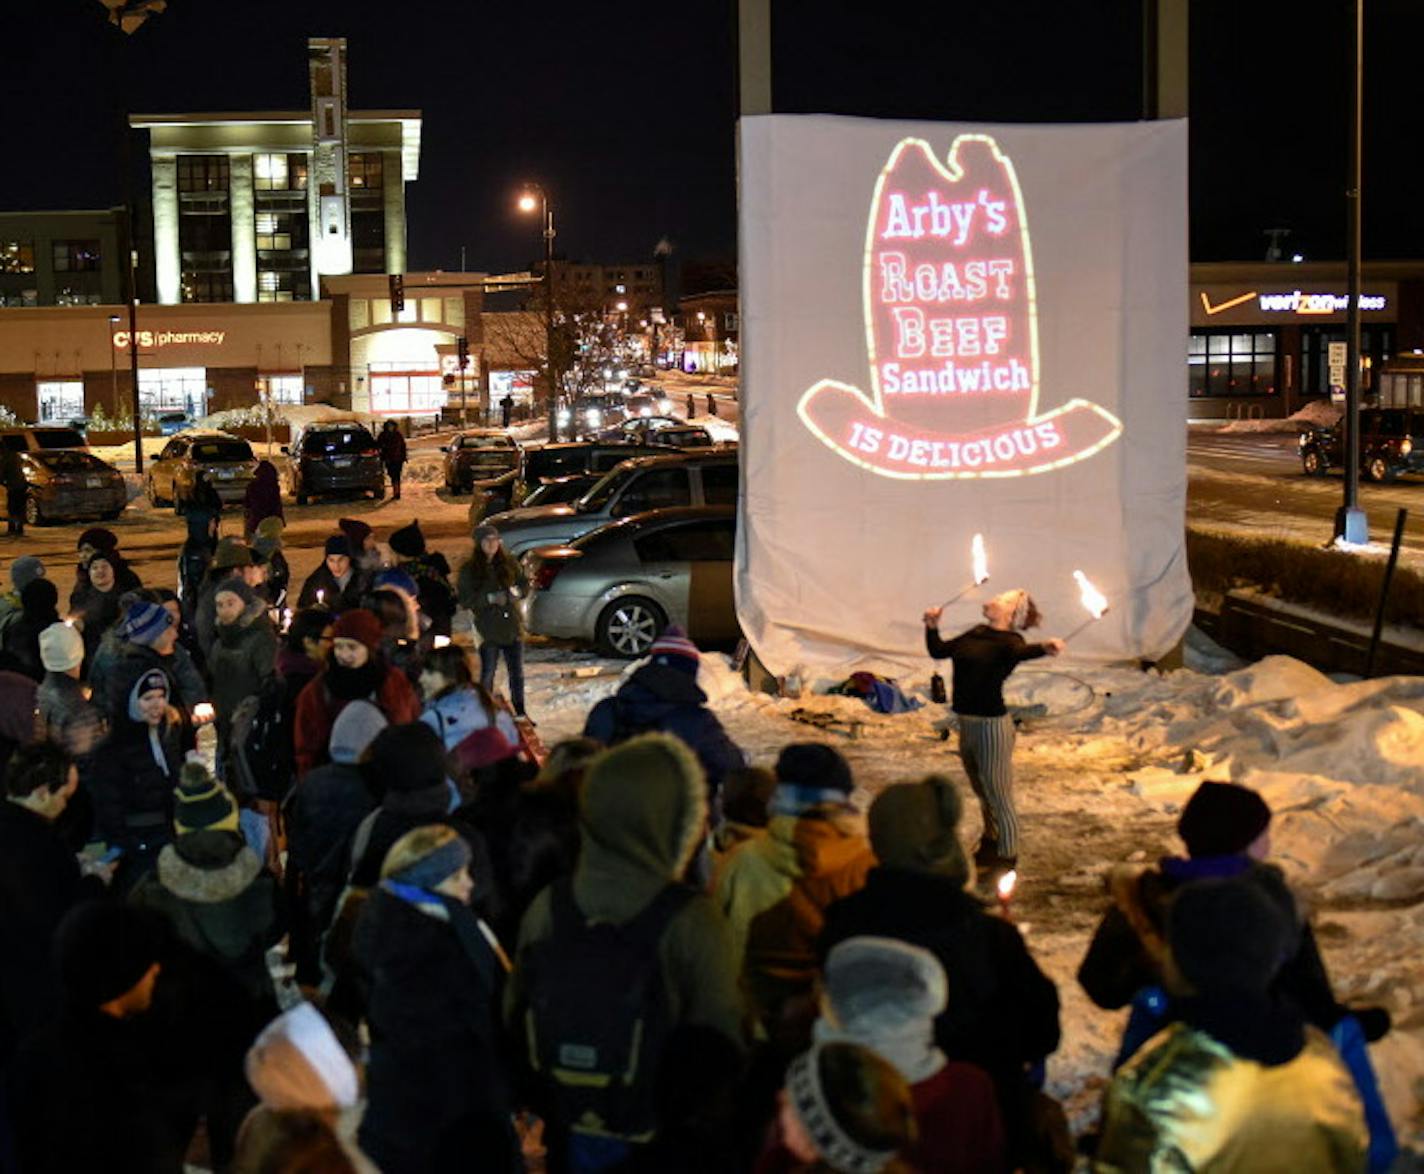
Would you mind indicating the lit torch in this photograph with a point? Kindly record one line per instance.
(1004, 890)
(980, 563)
(1094, 602)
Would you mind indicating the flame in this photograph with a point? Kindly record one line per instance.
(203, 712)
(320, 597)
(1007, 883)
(981, 560)
(1093, 600)
(441, 642)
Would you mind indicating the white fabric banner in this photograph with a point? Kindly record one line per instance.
(951, 330)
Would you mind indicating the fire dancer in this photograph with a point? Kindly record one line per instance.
(983, 658)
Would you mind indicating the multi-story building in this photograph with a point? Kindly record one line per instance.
(259, 207)
(631, 289)
(60, 258)
(711, 331)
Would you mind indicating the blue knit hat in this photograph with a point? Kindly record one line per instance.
(396, 578)
(145, 622)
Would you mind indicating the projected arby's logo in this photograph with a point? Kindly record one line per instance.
(951, 330)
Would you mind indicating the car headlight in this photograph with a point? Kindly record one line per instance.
(594, 417)
(1303, 440)
(564, 416)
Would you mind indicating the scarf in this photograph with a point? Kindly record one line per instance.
(355, 684)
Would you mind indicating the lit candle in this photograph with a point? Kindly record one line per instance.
(203, 713)
(441, 642)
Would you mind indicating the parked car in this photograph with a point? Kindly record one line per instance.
(172, 423)
(1391, 443)
(545, 462)
(227, 460)
(639, 428)
(633, 487)
(39, 437)
(334, 456)
(588, 414)
(67, 483)
(685, 436)
(479, 456)
(562, 489)
(621, 584)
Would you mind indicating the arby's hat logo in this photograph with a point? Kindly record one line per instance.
(951, 325)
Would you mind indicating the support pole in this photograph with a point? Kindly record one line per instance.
(1350, 522)
(1384, 591)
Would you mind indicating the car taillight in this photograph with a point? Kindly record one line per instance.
(546, 574)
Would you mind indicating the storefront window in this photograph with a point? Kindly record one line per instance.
(1232, 363)
(61, 400)
(518, 384)
(174, 389)
(1376, 345)
(415, 393)
(285, 389)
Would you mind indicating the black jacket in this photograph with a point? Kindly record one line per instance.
(132, 792)
(39, 884)
(437, 1078)
(983, 659)
(1003, 1010)
(333, 595)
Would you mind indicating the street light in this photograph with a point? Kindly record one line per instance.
(534, 196)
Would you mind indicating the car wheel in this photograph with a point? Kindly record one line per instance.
(628, 627)
(33, 517)
(1313, 463)
(153, 498)
(1377, 469)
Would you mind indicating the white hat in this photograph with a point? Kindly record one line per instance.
(61, 648)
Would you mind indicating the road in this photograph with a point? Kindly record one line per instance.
(1253, 483)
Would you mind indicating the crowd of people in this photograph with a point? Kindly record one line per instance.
(365, 922)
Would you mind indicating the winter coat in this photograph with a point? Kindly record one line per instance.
(490, 589)
(279, 580)
(326, 695)
(437, 1084)
(1188, 1102)
(21, 639)
(322, 813)
(242, 656)
(263, 498)
(433, 590)
(114, 674)
(1129, 944)
(1003, 1010)
(960, 1131)
(205, 612)
(391, 445)
(659, 697)
(775, 891)
(39, 883)
(333, 596)
(399, 812)
(99, 611)
(221, 902)
(85, 1094)
(17, 713)
(636, 840)
(67, 716)
(131, 776)
(459, 713)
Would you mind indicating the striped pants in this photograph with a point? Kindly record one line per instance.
(986, 747)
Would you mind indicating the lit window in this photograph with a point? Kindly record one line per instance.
(61, 400)
(17, 256)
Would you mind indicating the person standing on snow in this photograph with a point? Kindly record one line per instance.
(490, 582)
(392, 448)
(983, 658)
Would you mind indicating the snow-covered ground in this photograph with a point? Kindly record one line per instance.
(1342, 766)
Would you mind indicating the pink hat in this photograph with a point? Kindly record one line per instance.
(483, 747)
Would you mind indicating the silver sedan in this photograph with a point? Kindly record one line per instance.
(619, 586)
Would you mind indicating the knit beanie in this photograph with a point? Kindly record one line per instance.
(812, 1081)
(336, 544)
(358, 624)
(885, 994)
(408, 541)
(39, 597)
(103, 948)
(675, 650)
(746, 795)
(356, 532)
(1221, 819)
(98, 538)
(1227, 936)
(809, 774)
(231, 552)
(201, 803)
(152, 681)
(270, 528)
(408, 757)
(297, 1064)
(61, 648)
(236, 587)
(915, 826)
(25, 570)
(353, 731)
(395, 579)
(481, 748)
(438, 864)
(485, 531)
(145, 622)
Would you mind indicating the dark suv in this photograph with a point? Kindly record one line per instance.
(1391, 443)
(546, 462)
(337, 456)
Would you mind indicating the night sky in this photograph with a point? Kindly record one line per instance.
(625, 110)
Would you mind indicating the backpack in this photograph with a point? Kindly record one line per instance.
(193, 563)
(597, 1018)
(261, 742)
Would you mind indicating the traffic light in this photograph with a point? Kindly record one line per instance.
(462, 348)
(397, 281)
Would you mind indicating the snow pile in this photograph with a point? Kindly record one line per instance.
(1316, 414)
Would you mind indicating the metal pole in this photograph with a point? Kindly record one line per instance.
(1350, 522)
(549, 362)
(130, 277)
(1384, 591)
(113, 363)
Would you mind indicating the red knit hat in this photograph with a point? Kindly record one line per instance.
(674, 642)
(359, 624)
(483, 747)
